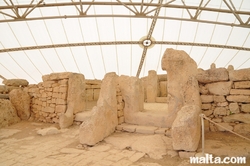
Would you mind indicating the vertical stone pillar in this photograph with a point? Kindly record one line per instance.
(152, 86)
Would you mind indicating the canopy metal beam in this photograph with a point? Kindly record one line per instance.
(10, 11)
(122, 43)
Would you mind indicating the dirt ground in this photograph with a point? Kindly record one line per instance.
(217, 143)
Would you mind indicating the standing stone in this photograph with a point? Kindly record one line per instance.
(103, 119)
(132, 93)
(182, 85)
(186, 128)
(152, 86)
(21, 101)
(8, 114)
(75, 99)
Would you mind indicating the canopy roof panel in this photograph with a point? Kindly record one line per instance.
(129, 37)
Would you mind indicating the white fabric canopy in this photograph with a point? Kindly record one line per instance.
(95, 37)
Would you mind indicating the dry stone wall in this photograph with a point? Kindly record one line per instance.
(49, 98)
(225, 96)
(93, 88)
(120, 105)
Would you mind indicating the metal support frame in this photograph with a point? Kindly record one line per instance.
(12, 14)
(122, 43)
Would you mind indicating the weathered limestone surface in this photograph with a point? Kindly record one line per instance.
(56, 76)
(245, 107)
(219, 99)
(8, 114)
(21, 101)
(132, 93)
(186, 128)
(182, 85)
(219, 88)
(245, 118)
(75, 99)
(242, 85)
(240, 91)
(239, 98)
(212, 75)
(104, 116)
(15, 82)
(207, 98)
(163, 88)
(242, 128)
(152, 86)
(225, 125)
(234, 108)
(239, 75)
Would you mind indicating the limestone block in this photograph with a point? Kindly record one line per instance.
(121, 120)
(219, 99)
(207, 98)
(21, 101)
(206, 106)
(56, 89)
(234, 108)
(103, 120)
(212, 75)
(62, 95)
(219, 88)
(96, 86)
(56, 76)
(8, 113)
(244, 118)
(10, 88)
(89, 94)
(152, 86)
(226, 125)
(96, 94)
(182, 85)
(161, 99)
(15, 82)
(146, 129)
(239, 98)
(223, 104)
(239, 75)
(60, 108)
(208, 113)
(242, 85)
(55, 95)
(220, 111)
(129, 128)
(162, 77)
(48, 84)
(48, 109)
(242, 128)
(240, 91)
(63, 89)
(60, 101)
(3, 89)
(120, 113)
(217, 120)
(203, 90)
(131, 93)
(93, 82)
(163, 88)
(245, 108)
(63, 82)
(186, 129)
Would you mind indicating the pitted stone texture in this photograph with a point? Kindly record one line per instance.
(242, 85)
(244, 118)
(133, 96)
(220, 88)
(21, 101)
(245, 108)
(186, 128)
(152, 86)
(75, 99)
(16, 82)
(239, 75)
(212, 75)
(8, 114)
(103, 120)
(182, 85)
(239, 98)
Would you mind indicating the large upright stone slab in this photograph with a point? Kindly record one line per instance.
(186, 128)
(21, 101)
(152, 86)
(132, 93)
(182, 85)
(103, 119)
(8, 114)
(75, 99)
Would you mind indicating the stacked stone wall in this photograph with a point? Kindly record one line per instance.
(120, 106)
(49, 99)
(93, 88)
(10, 84)
(225, 96)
